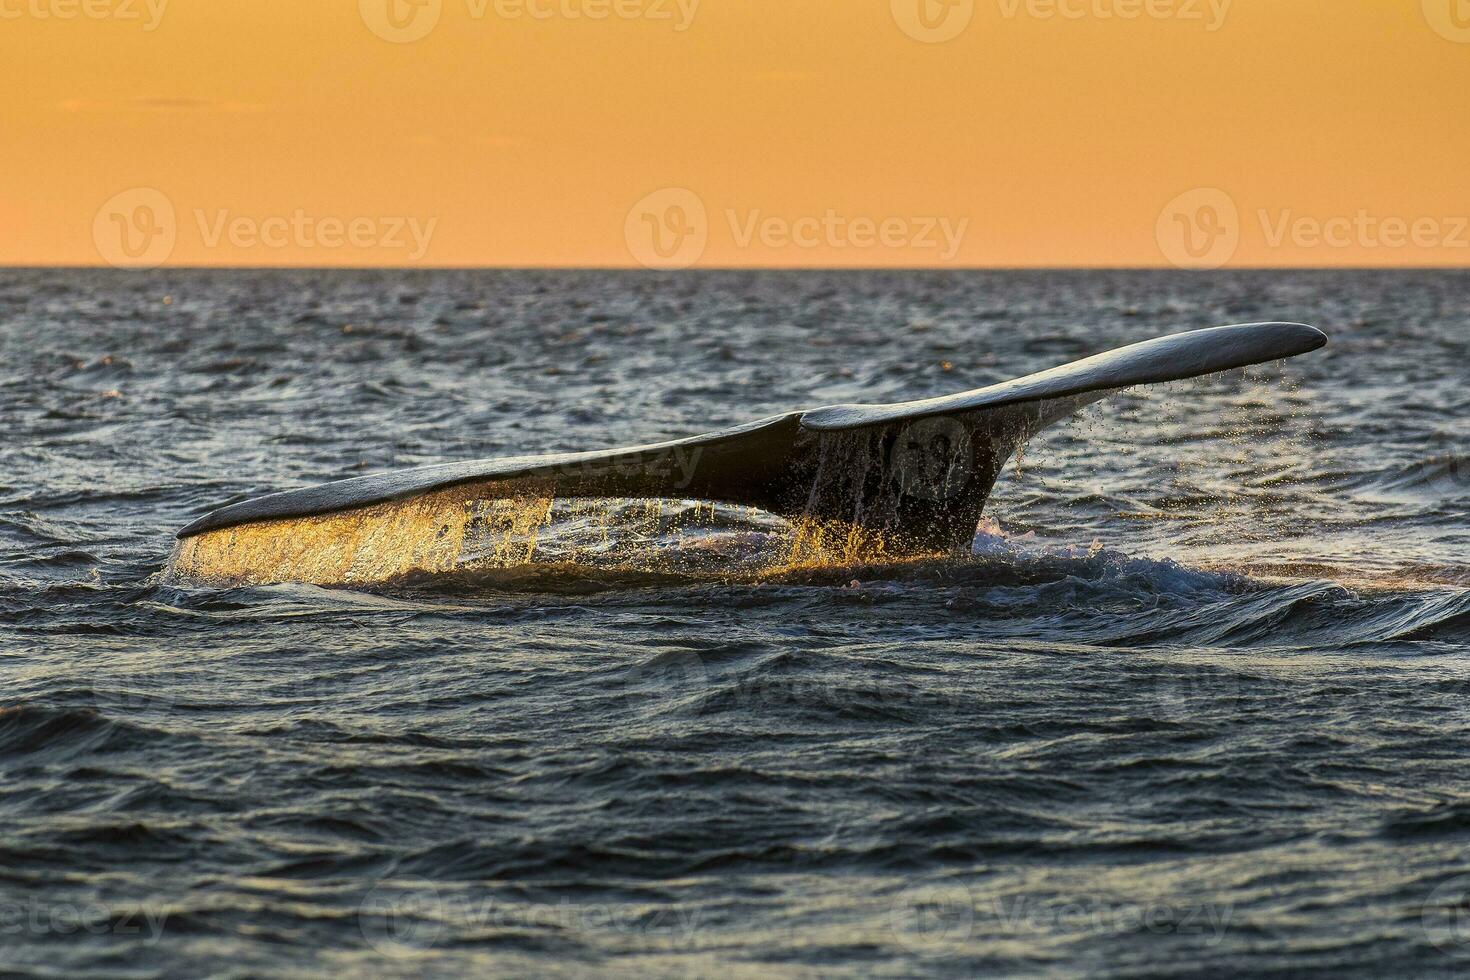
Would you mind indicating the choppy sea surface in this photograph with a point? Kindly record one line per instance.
(1198, 702)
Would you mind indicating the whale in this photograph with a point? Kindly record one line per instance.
(916, 474)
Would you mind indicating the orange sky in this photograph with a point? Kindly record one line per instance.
(741, 132)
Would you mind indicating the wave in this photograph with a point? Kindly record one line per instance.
(1023, 585)
(43, 732)
(1439, 476)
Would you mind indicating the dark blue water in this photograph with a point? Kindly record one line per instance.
(1199, 702)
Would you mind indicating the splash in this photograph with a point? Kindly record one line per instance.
(455, 531)
(437, 532)
(835, 544)
(449, 534)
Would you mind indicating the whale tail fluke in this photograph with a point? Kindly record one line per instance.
(917, 473)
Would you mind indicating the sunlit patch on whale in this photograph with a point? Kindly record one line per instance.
(860, 482)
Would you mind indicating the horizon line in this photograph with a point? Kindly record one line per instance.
(104, 267)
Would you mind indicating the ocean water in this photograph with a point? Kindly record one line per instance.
(1197, 703)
